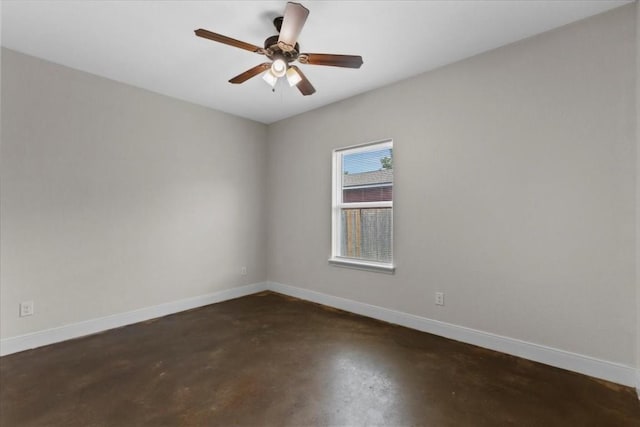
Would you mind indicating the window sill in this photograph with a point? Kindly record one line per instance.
(378, 267)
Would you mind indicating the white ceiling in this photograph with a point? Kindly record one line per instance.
(150, 44)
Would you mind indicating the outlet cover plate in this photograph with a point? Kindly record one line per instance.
(26, 308)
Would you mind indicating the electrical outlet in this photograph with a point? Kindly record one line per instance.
(243, 271)
(26, 308)
(439, 298)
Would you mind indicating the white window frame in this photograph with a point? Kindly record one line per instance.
(337, 205)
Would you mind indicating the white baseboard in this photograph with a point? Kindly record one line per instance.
(75, 330)
(610, 371)
(587, 365)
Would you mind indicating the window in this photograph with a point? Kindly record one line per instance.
(362, 223)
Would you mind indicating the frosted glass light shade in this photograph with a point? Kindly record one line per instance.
(293, 77)
(270, 78)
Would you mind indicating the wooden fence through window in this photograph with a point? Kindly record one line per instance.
(366, 234)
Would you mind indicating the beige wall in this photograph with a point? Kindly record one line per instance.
(115, 198)
(638, 196)
(515, 191)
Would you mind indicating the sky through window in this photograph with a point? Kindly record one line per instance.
(364, 162)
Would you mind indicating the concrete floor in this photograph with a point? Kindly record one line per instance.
(268, 360)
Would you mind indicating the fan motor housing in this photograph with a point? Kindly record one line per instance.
(273, 49)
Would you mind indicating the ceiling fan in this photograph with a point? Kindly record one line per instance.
(282, 50)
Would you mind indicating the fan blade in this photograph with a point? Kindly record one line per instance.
(295, 15)
(346, 61)
(228, 40)
(305, 87)
(252, 72)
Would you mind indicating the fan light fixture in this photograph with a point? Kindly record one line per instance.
(271, 77)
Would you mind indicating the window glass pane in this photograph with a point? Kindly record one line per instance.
(366, 234)
(367, 176)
